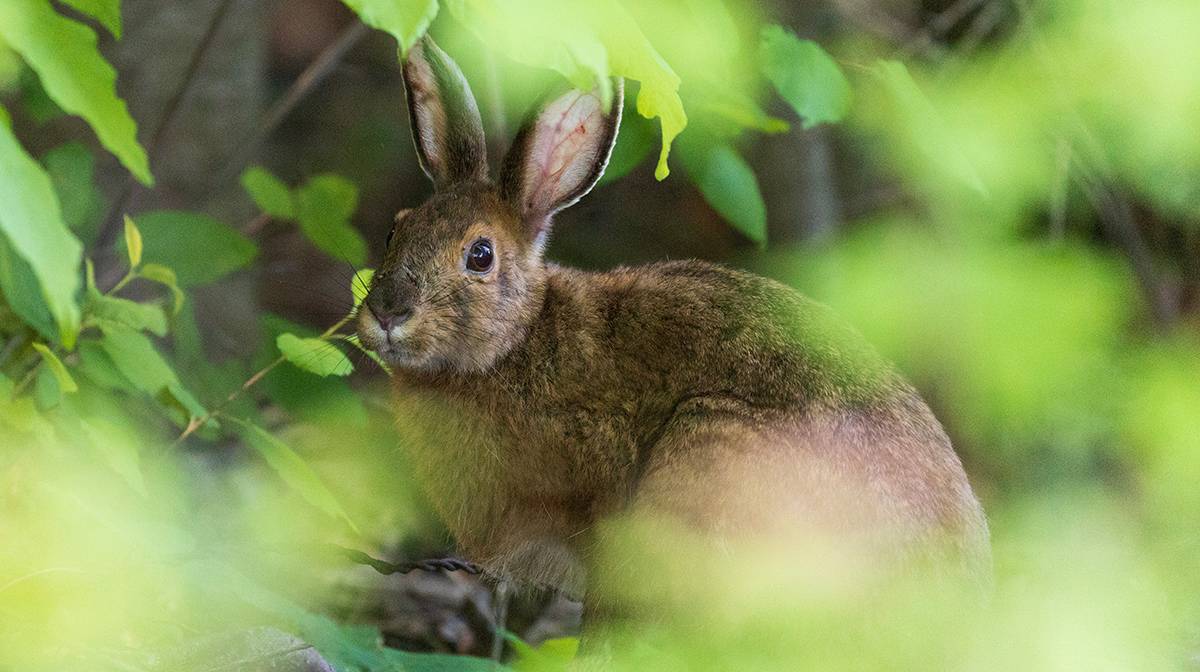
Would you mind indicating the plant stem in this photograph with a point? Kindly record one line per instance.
(196, 423)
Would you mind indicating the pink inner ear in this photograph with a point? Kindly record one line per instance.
(562, 157)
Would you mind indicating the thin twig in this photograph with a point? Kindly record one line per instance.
(108, 230)
(196, 423)
(316, 72)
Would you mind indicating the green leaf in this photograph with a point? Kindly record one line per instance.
(729, 186)
(635, 139)
(360, 284)
(107, 12)
(64, 54)
(118, 448)
(47, 393)
(324, 206)
(292, 469)
(140, 316)
(165, 276)
(31, 221)
(407, 21)
(314, 355)
(22, 293)
(133, 242)
(924, 124)
(805, 76)
(199, 248)
(56, 367)
(270, 194)
(136, 358)
(72, 170)
(587, 42)
(553, 655)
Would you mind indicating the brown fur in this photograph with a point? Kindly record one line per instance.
(537, 401)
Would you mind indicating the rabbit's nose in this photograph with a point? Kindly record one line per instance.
(391, 319)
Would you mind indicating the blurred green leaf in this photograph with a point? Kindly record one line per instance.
(47, 393)
(324, 206)
(56, 367)
(552, 655)
(923, 125)
(270, 194)
(37, 103)
(805, 76)
(406, 21)
(64, 54)
(314, 355)
(96, 366)
(728, 184)
(587, 43)
(635, 140)
(166, 277)
(107, 12)
(22, 293)
(32, 223)
(118, 448)
(72, 170)
(293, 469)
(140, 316)
(197, 247)
(133, 243)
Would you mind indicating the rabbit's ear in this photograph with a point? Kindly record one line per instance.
(446, 126)
(560, 154)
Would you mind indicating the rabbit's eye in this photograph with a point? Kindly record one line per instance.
(391, 234)
(480, 256)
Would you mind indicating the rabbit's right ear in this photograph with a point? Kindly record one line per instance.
(447, 129)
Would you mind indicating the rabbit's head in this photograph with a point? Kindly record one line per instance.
(462, 276)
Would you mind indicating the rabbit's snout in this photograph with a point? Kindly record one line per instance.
(390, 303)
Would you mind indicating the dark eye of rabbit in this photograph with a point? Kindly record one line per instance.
(480, 256)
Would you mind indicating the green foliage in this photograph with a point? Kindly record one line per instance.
(292, 469)
(107, 12)
(314, 355)
(32, 225)
(270, 194)
(406, 21)
(64, 54)
(65, 381)
(198, 248)
(322, 207)
(729, 186)
(72, 170)
(805, 76)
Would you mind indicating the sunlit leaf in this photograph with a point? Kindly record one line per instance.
(324, 206)
(923, 124)
(293, 469)
(270, 194)
(360, 284)
(314, 355)
(107, 12)
(32, 223)
(586, 42)
(165, 276)
(56, 367)
(805, 76)
(407, 21)
(118, 448)
(729, 186)
(133, 243)
(64, 54)
(552, 655)
(197, 247)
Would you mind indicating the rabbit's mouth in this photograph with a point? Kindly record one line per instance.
(394, 345)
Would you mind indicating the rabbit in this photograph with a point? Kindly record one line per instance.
(537, 401)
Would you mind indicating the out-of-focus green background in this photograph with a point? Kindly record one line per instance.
(1002, 195)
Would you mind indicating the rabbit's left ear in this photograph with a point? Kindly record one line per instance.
(560, 154)
(446, 126)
